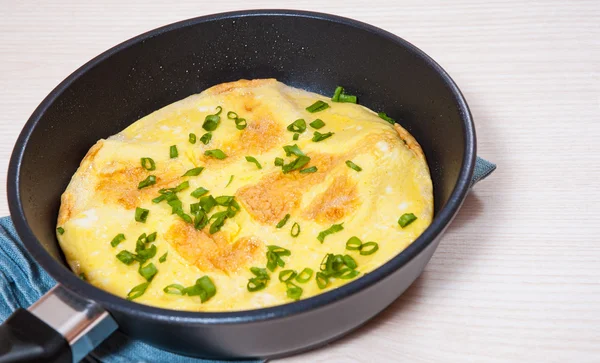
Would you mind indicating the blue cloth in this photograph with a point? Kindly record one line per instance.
(22, 282)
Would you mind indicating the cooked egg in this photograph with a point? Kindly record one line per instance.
(357, 179)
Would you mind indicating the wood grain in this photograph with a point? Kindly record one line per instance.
(517, 277)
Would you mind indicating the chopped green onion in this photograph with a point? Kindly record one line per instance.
(240, 123)
(163, 258)
(192, 138)
(278, 162)
(207, 203)
(317, 106)
(160, 198)
(274, 255)
(204, 287)
(148, 272)
(216, 153)
(296, 136)
(368, 248)
(145, 254)
(148, 164)
(406, 219)
(293, 149)
(260, 281)
(333, 229)
(205, 139)
(317, 124)
(219, 218)
(336, 94)
(347, 274)
(141, 214)
(280, 251)
(194, 208)
(340, 96)
(317, 136)
(287, 275)
(349, 261)
(312, 169)
(151, 237)
(60, 230)
(293, 291)
(297, 126)
(224, 200)
(212, 121)
(150, 180)
(252, 159)
(304, 275)
(194, 171)
(386, 117)
(283, 221)
(322, 280)
(199, 192)
(137, 291)
(232, 115)
(353, 244)
(126, 257)
(183, 216)
(229, 182)
(200, 220)
(82, 276)
(174, 289)
(295, 231)
(296, 164)
(118, 239)
(353, 166)
(173, 153)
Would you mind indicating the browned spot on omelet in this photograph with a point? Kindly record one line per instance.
(120, 185)
(242, 83)
(410, 141)
(339, 200)
(213, 252)
(67, 204)
(92, 152)
(277, 194)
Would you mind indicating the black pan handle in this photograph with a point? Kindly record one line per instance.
(60, 327)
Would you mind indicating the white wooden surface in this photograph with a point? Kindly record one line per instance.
(517, 277)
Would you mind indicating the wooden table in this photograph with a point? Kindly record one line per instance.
(517, 277)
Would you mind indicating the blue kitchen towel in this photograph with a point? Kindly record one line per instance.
(22, 282)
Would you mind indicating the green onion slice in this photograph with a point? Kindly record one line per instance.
(118, 239)
(347, 274)
(317, 124)
(295, 164)
(126, 257)
(353, 244)
(219, 221)
(252, 159)
(322, 280)
(296, 136)
(297, 126)
(207, 203)
(141, 214)
(212, 121)
(333, 229)
(283, 221)
(278, 162)
(151, 237)
(199, 192)
(216, 153)
(240, 123)
(173, 153)
(317, 136)
(194, 171)
(150, 180)
(163, 258)
(174, 289)
(295, 231)
(60, 230)
(192, 138)
(148, 272)
(83, 277)
(406, 219)
(232, 115)
(293, 291)
(312, 169)
(230, 180)
(287, 275)
(205, 139)
(293, 149)
(353, 166)
(369, 248)
(340, 96)
(336, 94)
(137, 291)
(304, 275)
(317, 106)
(383, 116)
(148, 164)
(349, 261)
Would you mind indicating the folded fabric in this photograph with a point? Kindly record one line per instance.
(22, 282)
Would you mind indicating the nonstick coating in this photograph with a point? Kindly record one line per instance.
(312, 51)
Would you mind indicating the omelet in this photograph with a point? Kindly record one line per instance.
(248, 195)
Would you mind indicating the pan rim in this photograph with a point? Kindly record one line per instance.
(114, 303)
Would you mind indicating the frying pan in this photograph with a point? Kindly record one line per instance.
(307, 50)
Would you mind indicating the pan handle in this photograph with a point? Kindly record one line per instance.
(60, 327)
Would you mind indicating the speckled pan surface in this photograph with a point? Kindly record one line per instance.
(170, 63)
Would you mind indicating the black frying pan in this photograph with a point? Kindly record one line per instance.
(307, 50)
